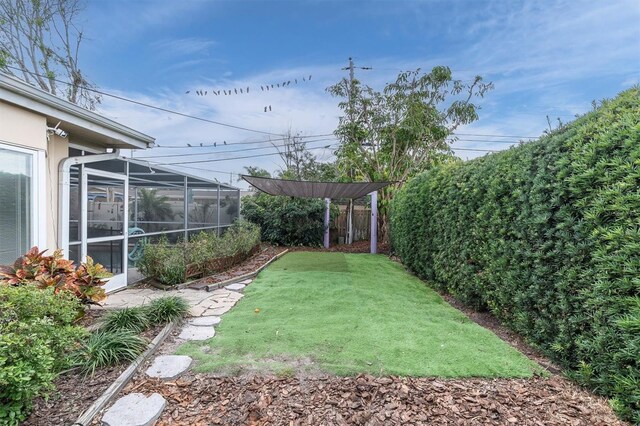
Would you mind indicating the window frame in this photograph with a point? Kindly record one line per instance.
(38, 189)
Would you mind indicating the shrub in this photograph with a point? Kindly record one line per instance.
(174, 263)
(36, 333)
(286, 221)
(105, 348)
(85, 281)
(132, 319)
(167, 309)
(546, 236)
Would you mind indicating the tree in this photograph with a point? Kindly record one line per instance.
(406, 128)
(40, 42)
(153, 208)
(255, 171)
(300, 163)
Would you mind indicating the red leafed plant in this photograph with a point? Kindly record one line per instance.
(86, 281)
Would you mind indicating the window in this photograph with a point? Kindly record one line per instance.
(19, 227)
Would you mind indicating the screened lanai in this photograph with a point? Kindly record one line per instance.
(116, 205)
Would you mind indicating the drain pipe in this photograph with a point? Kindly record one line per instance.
(64, 184)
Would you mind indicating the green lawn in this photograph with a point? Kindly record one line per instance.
(348, 314)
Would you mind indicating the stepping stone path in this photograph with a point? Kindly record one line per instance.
(235, 287)
(196, 332)
(169, 367)
(135, 409)
(205, 321)
(246, 282)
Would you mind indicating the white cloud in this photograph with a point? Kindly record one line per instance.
(183, 46)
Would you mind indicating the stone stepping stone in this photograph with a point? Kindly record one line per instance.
(208, 321)
(235, 287)
(245, 282)
(135, 409)
(169, 367)
(196, 332)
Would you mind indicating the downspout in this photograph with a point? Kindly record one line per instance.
(64, 183)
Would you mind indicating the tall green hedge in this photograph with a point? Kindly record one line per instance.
(547, 237)
(286, 221)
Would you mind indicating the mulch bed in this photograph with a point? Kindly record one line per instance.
(366, 400)
(263, 255)
(75, 392)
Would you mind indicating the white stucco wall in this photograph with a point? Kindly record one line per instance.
(26, 129)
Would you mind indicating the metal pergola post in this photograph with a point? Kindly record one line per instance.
(374, 222)
(327, 208)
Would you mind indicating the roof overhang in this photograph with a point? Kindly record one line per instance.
(83, 126)
(303, 189)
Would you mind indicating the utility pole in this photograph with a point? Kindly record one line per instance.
(351, 93)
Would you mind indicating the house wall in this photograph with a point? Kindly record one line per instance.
(26, 129)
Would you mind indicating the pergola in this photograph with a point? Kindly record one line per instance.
(326, 190)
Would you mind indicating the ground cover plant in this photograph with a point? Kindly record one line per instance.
(348, 314)
(36, 332)
(546, 237)
(203, 254)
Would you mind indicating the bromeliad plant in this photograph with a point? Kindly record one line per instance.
(85, 281)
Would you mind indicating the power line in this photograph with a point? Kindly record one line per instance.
(237, 158)
(182, 114)
(225, 143)
(236, 150)
(473, 149)
(485, 141)
(495, 136)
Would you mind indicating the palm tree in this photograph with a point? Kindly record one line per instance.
(153, 208)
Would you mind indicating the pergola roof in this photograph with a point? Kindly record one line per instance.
(296, 188)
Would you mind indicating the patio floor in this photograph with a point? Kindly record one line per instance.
(202, 303)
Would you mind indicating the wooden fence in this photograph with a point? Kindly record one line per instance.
(361, 226)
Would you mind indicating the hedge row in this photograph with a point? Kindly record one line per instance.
(547, 237)
(284, 220)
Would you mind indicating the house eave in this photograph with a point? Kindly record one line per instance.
(79, 122)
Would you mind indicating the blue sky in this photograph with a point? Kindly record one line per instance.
(544, 58)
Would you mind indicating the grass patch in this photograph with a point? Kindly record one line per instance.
(353, 313)
(132, 319)
(167, 309)
(104, 348)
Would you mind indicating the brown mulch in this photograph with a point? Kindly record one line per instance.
(74, 393)
(357, 247)
(366, 400)
(263, 255)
